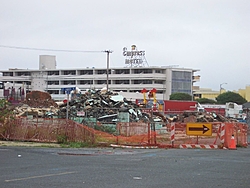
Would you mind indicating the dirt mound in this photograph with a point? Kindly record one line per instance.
(39, 99)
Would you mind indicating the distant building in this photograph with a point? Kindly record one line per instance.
(245, 93)
(126, 80)
(210, 94)
(207, 93)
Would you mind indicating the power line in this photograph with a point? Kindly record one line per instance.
(55, 50)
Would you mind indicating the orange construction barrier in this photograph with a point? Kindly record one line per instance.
(232, 145)
(239, 130)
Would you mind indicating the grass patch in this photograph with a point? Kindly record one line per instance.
(107, 129)
(77, 145)
(62, 139)
(241, 146)
(49, 146)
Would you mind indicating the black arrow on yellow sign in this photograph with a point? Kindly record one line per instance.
(203, 129)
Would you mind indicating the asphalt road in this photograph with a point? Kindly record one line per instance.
(123, 168)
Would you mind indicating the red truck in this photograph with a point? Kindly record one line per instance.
(216, 108)
(176, 105)
(229, 110)
(172, 106)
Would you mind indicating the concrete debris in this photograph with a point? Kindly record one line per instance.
(193, 117)
(104, 106)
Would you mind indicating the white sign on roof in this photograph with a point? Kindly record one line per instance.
(134, 58)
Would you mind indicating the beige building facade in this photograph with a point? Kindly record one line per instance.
(211, 94)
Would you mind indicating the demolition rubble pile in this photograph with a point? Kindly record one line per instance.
(186, 117)
(105, 107)
(102, 105)
(37, 103)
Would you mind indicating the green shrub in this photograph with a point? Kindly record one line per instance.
(62, 139)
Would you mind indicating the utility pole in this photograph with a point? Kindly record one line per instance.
(108, 52)
(221, 86)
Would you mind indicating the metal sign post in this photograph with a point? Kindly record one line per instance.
(67, 112)
(67, 90)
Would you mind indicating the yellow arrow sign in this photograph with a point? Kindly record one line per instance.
(199, 129)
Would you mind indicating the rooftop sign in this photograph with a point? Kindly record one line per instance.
(134, 58)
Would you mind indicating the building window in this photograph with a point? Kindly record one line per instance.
(158, 71)
(99, 82)
(143, 71)
(85, 82)
(51, 73)
(69, 82)
(23, 73)
(181, 82)
(86, 72)
(53, 82)
(121, 81)
(53, 91)
(69, 72)
(138, 82)
(122, 71)
(7, 73)
(101, 71)
(159, 82)
(143, 82)
(181, 76)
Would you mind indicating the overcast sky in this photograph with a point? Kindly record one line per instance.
(210, 35)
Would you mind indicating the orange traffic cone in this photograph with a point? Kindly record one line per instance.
(232, 143)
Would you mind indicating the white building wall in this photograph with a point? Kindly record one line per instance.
(161, 79)
(47, 62)
(39, 81)
(1, 94)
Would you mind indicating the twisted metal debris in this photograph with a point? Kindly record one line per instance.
(104, 106)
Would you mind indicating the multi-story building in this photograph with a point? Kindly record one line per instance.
(128, 80)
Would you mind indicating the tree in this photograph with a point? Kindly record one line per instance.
(180, 96)
(5, 112)
(206, 101)
(230, 97)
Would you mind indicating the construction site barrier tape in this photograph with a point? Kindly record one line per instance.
(222, 133)
(201, 146)
(133, 147)
(172, 132)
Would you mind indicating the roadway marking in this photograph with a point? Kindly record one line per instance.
(42, 176)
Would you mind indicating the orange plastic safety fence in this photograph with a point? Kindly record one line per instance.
(134, 133)
(45, 130)
(181, 137)
(239, 131)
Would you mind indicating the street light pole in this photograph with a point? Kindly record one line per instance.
(221, 86)
(108, 52)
